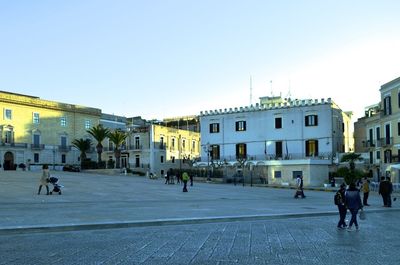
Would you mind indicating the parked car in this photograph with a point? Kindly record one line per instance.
(71, 168)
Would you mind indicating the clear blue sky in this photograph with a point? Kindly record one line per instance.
(164, 58)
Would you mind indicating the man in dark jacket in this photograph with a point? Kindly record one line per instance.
(385, 189)
(340, 202)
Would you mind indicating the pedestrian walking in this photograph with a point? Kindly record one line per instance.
(168, 176)
(44, 179)
(185, 178)
(299, 188)
(385, 190)
(353, 203)
(390, 191)
(340, 201)
(191, 180)
(365, 190)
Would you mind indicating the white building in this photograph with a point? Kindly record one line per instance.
(277, 139)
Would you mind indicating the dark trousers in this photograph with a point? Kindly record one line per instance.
(353, 217)
(342, 216)
(384, 198)
(365, 198)
(388, 200)
(40, 188)
(184, 186)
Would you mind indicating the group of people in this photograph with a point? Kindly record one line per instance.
(184, 178)
(350, 199)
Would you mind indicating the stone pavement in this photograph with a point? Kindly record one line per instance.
(159, 224)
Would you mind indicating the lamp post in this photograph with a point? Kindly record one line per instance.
(207, 149)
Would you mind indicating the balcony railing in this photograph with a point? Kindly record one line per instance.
(271, 157)
(37, 146)
(64, 148)
(15, 145)
(386, 141)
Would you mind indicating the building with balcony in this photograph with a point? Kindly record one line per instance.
(35, 131)
(276, 140)
(378, 133)
(155, 146)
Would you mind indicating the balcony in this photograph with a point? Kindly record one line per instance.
(64, 148)
(15, 145)
(37, 146)
(384, 142)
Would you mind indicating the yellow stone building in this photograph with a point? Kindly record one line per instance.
(34, 131)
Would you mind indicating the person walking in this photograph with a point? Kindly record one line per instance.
(340, 201)
(44, 178)
(384, 188)
(168, 176)
(389, 193)
(353, 203)
(185, 178)
(299, 189)
(365, 190)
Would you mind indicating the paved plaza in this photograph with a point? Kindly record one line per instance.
(118, 219)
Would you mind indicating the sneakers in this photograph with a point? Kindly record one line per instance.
(357, 228)
(349, 229)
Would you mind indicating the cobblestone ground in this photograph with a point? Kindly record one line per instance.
(312, 240)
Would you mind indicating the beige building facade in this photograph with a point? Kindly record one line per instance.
(378, 133)
(35, 131)
(154, 148)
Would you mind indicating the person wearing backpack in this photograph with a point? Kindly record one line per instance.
(340, 201)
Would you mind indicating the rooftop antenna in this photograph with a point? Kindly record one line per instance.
(251, 91)
(270, 82)
(289, 94)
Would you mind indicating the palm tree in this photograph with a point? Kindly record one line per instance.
(351, 174)
(99, 133)
(83, 146)
(117, 137)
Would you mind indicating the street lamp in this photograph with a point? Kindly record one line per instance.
(208, 150)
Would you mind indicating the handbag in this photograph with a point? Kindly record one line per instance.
(362, 215)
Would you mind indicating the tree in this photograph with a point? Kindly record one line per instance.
(117, 137)
(99, 133)
(83, 146)
(351, 174)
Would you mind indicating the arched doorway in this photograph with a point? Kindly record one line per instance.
(8, 161)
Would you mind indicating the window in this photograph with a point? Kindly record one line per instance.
(240, 126)
(137, 160)
(8, 114)
(215, 152)
(183, 144)
(193, 146)
(36, 118)
(312, 148)
(173, 159)
(371, 157)
(241, 151)
(36, 158)
(87, 124)
(8, 137)
(312, 120)
(214, 128)
(36, 140)
(63, 121)
(162, 159)
(173, 143)
(297, 174)
(277, 174)
(387, 108)
(162, 145)
(278, 123)
(137, 142)
(398, 128)
(378, 133)
(278, 149)
(378, 155)
(63, 158)
(63, 141)
(387, 156)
